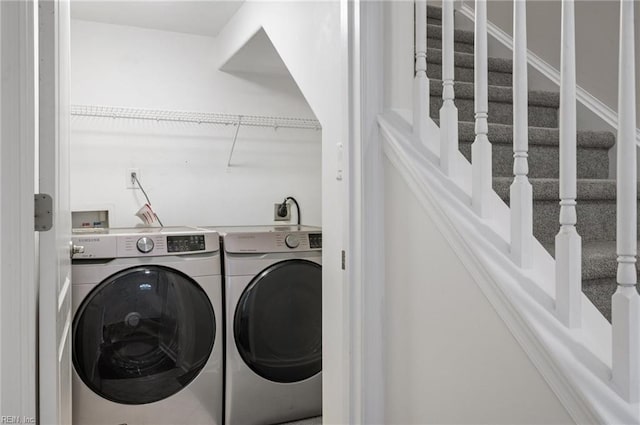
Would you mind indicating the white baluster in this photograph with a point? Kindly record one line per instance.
(568, 242)
(420, 81)
(521, 194)
(481, 148)
(448, 112)
(626, 302)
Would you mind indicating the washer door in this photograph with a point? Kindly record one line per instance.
(278, 322)
(143, 334)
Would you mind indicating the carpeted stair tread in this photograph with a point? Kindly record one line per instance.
(547, 189)
(598, 259)
(434, 12)
(596, 207)
(462, 40)
(499, 69)
(599, 268)
(460, 36)
(466, 60)
(465, 90)
(593, 150)
(503, 133)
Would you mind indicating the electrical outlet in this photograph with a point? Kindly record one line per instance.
(277, 217)
(131, 183)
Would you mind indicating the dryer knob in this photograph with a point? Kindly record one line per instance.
(292, 241)
(145, 245)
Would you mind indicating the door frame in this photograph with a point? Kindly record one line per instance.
(18, 242)
(363, 212)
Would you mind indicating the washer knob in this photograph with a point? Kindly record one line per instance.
(145, 245)
(292, 241)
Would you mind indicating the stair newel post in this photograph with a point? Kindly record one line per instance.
(448, 112)
(568, 242)
(481, 148)
(625, 313)
(521, 193)
(420, 81)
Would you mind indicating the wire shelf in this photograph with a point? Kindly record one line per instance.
(193, 117)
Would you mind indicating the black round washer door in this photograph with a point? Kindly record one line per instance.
(143, 334)
(278, 322)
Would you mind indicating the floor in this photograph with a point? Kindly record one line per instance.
(309, 421)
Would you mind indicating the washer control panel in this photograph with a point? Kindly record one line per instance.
(145, 245)
(150, 244)
(186, 243)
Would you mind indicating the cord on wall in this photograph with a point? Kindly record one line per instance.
(290, 198)
(134, 176)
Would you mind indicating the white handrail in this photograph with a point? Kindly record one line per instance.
(568, 242)
(448, 111)
(521, 193)
(625, 313)
(481, 148)
(420, 81)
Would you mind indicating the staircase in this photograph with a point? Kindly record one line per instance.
(596, 193)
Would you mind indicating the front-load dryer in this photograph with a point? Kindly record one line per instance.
(147, 328)
(273, 302)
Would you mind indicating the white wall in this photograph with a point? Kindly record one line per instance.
(450, 358)
(183, 166)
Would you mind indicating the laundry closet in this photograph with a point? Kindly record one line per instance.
(196, 187)
(128, 55)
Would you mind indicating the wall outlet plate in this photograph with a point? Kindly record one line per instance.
(276, 217)
(131, 183)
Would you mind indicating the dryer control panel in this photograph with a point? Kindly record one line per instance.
(274, 241)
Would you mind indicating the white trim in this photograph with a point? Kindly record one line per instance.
(17, 181)
(363, 213)
(565, 358)
(367, 201)
(592, 103)
(353, 207)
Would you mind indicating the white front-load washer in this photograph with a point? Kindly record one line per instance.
(147, 328)
(273, 302)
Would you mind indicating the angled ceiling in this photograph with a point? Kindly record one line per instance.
(186, 16)
(257, 56)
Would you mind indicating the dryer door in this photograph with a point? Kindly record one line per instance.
(143, 334)
(278, 322)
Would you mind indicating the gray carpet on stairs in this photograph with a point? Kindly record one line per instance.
(596, 195)
(462, 40)
(596, 207)
(593, 150)
(543, 106)
(500, 73)
(599, 267)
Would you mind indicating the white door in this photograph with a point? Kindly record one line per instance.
(55, 265)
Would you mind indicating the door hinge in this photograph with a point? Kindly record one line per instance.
(43, 212)
(344, 260)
